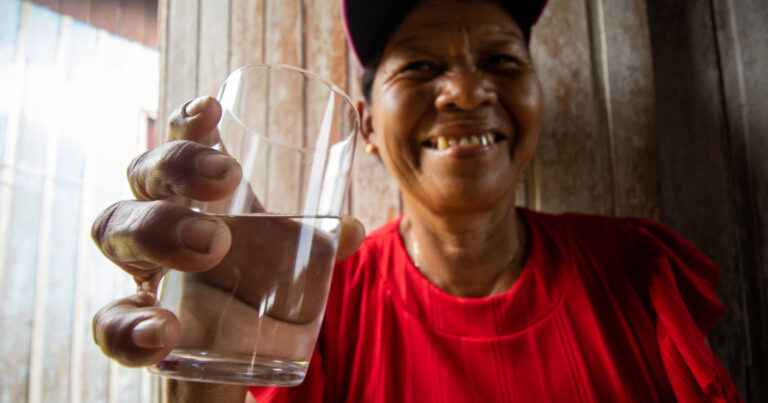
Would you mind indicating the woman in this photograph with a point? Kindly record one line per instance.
(465, 297)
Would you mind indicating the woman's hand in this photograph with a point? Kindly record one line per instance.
(158, 231)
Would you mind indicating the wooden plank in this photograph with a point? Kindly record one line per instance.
(325, 56)
(26, 159)
(572, 167)
(104, 182)
(10, 13)
(623, 68)
(247, 31)
(79, 9)
(162, 46)
(213, 51)
(52, 5)
(3, 130)
(325, 42)
(12, 78)
(283, 44)
(42, 51)
(20, 261)
(750, 17)
(61, 272)
(150, 23)
(46, 242)
(178, 57)
(695, 187)
(131, 19)
(743, 58)
(82, 69)
(104, 14)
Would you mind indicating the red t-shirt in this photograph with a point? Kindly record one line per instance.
(605, 309)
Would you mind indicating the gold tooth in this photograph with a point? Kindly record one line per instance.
(474, 140)
(489, 137)
(442, 143)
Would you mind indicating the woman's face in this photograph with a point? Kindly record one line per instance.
(456, 106)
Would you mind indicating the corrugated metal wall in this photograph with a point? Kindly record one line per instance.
(74, 105)
(653, 108)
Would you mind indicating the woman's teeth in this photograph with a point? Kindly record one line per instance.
(441, 143)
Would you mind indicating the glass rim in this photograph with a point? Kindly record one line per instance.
(277, 66)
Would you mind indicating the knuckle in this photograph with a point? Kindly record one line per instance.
(175, 166)
(126, 230)
(99, 230)
(136, 174)
(154, 236)
(176, 123)
(165, 171)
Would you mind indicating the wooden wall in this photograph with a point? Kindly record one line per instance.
(132, 19)
(74, 105)
(653, 109)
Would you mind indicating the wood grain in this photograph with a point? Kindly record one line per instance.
(105, 14)
(743, 59)
(213, 48)
(572, 164)
(131, 20)
(80, 9)
(695, 168)
(246, 41)
(178, 57)
(284, 44)
(623, 75)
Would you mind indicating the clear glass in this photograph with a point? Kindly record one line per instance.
(254, 318)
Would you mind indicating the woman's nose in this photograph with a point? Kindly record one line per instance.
(465, 90)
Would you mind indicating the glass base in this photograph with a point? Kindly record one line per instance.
(235, 369)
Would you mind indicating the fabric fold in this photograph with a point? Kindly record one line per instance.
(682, 292)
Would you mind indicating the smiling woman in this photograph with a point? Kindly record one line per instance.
(467, 296)
(452, 71)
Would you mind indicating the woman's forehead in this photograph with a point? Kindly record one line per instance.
(435, 21)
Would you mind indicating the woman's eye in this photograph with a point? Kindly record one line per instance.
(420, 66)
(503, 60)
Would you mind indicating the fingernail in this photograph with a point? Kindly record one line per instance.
(198, 233)
(214, 166)
(149, 333)
(195, 106)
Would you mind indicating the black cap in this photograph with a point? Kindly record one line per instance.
(369, 23)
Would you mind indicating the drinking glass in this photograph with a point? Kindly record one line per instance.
(255, 317)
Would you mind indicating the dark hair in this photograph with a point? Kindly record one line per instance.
(369, 74)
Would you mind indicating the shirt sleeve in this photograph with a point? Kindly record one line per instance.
(682, 291)
(311, 390)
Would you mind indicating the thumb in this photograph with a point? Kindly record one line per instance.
(352, 234)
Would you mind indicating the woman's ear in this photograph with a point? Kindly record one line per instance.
(366, 128)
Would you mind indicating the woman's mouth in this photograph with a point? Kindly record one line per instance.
(443, 142)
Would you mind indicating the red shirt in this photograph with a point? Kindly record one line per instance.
(605, 310)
